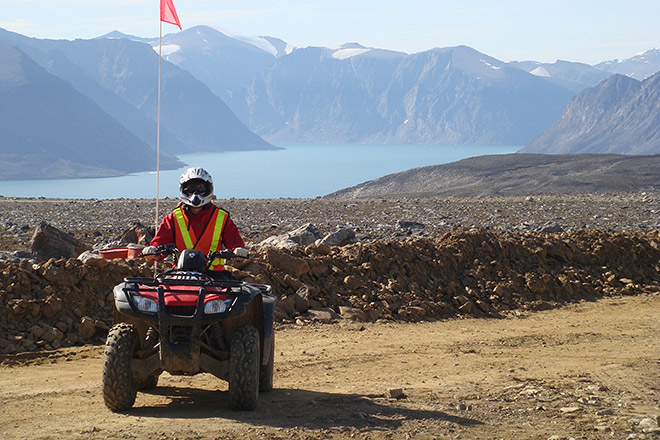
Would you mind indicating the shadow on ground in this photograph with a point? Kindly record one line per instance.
(289, 408)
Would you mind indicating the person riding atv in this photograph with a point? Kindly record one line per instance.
(192, 318)
(197, 223)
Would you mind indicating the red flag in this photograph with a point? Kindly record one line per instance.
(168, 13)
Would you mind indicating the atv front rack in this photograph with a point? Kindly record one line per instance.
(181, 281)
(184, 279)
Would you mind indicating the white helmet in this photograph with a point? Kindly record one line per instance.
(196, 187)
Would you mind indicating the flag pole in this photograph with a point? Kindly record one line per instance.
(160, 57)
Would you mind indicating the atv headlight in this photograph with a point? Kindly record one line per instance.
(145, 304)
(216, 306)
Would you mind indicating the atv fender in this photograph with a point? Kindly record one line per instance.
(122, 302)
(269, 302)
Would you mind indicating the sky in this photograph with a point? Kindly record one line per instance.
(589, 31)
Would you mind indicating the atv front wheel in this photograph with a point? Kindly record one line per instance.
(118, 388)
(244, 369)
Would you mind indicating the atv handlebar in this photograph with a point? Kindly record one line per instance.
(164, 249)
(171, 249)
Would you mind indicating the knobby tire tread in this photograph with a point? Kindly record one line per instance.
(119, 390)
(244, 369)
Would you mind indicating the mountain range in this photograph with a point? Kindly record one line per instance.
(118, 76)
(225, 92)
(354, 93)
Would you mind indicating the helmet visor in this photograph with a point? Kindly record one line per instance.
(196, 186)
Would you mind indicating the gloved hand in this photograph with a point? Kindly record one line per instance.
(150, 250)
(150, 253)
(241, 252)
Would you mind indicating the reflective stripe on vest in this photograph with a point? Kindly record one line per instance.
(211, 239)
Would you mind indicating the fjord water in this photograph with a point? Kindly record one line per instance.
(298, 171)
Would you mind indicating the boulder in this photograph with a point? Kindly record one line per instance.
(301, 298)
(287, 263)
(303, 236)
(88, 255)
(52, 306)
(87, 328)
(550, 227)
(325, 316)
(341, 237)
(352, 313)
(138, 233)
(287, 306)
(49, 242)
(402, 224)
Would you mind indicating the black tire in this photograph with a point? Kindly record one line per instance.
(266, 371)
(118, 388)
(244, 369)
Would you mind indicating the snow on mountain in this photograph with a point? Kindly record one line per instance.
(640, 66)
(540, 71)
(259, 42)
(490, 65)
(168, 49)
(571, 75)
(343, 54)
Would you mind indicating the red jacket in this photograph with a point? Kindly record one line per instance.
(231, 239)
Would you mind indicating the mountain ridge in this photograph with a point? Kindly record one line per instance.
(620, 115)
(516, 174)
(100, 146)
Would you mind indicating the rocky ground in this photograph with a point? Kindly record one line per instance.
(94, 221)
(437, 270)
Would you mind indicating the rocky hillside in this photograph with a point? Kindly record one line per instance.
(37, 113)
(620, 115)
(517, 174)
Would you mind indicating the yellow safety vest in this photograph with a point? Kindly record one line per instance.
(210, 240)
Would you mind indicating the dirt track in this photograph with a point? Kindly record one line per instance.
(585, 371)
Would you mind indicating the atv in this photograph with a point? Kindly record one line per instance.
(185, 322)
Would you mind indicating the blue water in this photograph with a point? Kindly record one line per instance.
(299, 171)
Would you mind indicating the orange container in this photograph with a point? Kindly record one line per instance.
(134, 251)
(112, 253)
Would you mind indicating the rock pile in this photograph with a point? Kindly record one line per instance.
(475, 273)
(479, 273)
(60, 302)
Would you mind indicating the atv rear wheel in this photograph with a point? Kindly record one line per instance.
(266, 371)
(244, 369)
(118, 388)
